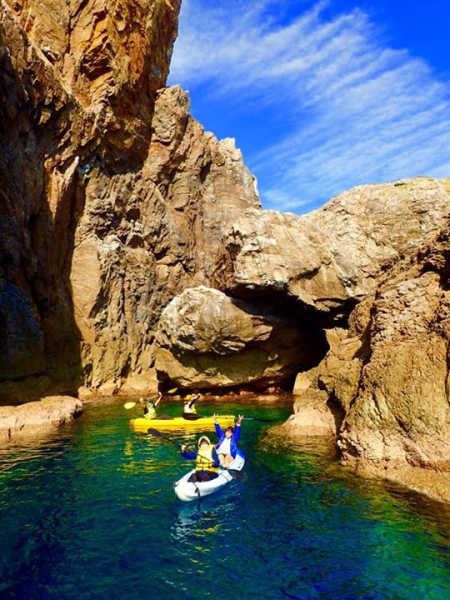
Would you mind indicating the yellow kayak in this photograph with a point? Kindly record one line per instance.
(200, 424)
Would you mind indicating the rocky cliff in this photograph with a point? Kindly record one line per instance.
(134, 251)
(382, 389)
(112, 196)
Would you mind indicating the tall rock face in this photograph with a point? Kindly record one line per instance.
(108, 57)
(143, 237)
(133, 248)
(401, 413)
(112, 196)
(383, 387)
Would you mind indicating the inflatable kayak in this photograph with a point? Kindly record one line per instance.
(187, 491)
(168, 423)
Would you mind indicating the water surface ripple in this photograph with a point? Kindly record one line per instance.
(89, 513)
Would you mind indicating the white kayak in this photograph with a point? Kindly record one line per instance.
(187, 490)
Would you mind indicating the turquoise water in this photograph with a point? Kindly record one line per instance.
(89, 513)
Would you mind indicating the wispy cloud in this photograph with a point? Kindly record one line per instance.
(348, 109)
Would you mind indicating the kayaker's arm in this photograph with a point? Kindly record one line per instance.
(193, 400)
(187, 455)
(237, 429)
(218, 428)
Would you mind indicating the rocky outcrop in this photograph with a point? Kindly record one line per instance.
(123, 199)
(72, 104)
(208, 340)
(323, 263)
(127, 202)
(402, 410)
(46, 414)
(123, 222)
(167, 221)
(386, 377)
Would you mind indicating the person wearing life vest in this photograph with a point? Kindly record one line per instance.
(206, 460)
(226, 447)
(150, 406)
(189, 409)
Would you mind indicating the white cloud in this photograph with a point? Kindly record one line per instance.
(350, 110)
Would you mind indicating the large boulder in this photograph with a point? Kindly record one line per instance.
(208, 340)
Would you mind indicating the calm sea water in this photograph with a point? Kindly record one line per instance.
(89, 513)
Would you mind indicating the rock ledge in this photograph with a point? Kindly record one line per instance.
(28, 418)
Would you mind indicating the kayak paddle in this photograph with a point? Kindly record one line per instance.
(157, 433)
(235, 473)
(129, 405)
(260, 420)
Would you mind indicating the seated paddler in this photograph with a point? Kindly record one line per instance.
(189, 408)
(150, 406)
(206, 460)
(226, 447)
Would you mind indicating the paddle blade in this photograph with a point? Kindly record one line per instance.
(158, 434)
(129, 405)
(172, 391)
(238, 475)
(155, 432)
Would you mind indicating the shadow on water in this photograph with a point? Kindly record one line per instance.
(90, 513)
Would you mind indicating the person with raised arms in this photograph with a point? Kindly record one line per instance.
(150, 405)
(226, 447)
(189, 408)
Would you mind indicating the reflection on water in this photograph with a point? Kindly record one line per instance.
(89, 512)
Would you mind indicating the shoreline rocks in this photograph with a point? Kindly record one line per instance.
(429, 483)
(28, 418)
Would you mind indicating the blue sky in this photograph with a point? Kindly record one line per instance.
(321, 96)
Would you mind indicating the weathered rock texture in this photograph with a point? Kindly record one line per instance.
(46, 414)
(114, 201)
(325, 262)
(383, 388)
(78, 83)
(401, 412)
(112, 196)
(209, 340)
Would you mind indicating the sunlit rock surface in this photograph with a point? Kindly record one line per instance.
(114, 201)
(113, 197)
(387, 377)
(325, 262)
(209, 340)
(30, 417)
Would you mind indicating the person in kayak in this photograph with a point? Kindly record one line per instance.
(206, 460)
(226, 447)
(189, 409)
(150, 406)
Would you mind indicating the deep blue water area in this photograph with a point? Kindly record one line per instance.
(89, 513)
